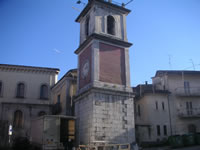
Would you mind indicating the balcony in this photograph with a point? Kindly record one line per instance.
(189, 113)
(57, 108)
(192, 91)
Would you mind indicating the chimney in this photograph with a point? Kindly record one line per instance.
(146, 83)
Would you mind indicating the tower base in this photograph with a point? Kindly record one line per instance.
(105, 116)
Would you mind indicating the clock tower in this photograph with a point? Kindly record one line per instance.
(104, 101)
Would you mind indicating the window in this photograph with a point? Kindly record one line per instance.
(163, 105)
(1, 87)
(139, 113)
(18, 116)
(41, 113)
(58, 99)
(44, 92)
(191, 128)
(165, 129)
(189, 108)
(149, 132)
(156, 105)
(158, 130)
(187, 87)
(111, 25)
(20, 90)
(87, 26)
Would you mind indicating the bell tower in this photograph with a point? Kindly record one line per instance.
(104, 102)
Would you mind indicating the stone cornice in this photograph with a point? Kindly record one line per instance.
(105, 91)
(105, 38)
(32, 69)
(31, 104)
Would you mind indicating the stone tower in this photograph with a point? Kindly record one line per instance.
(104, 102)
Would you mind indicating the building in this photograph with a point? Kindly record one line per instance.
(151, 114)
(169, 106)
(104, 101)
(63, 93)
(25, 93)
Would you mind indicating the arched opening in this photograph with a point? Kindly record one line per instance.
(111, 25)
(18, 119)
(44, 92)
(20, 90)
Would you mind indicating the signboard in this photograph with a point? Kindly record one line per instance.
(10, 130)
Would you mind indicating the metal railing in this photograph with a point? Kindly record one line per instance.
(192, 91)
(188, 113)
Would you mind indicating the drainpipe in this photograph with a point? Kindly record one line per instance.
(1, 111)
(170, 120)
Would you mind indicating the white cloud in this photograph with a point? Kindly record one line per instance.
(57, 50)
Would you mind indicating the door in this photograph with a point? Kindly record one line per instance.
(67, 133)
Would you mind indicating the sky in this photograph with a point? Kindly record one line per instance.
(165, 35)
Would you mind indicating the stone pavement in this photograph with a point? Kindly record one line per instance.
(168, 148)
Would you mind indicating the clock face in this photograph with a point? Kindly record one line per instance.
(85, 69)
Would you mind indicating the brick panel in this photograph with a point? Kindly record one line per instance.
(85, 55)
(112, 64)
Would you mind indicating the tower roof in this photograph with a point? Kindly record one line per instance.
(102, 3)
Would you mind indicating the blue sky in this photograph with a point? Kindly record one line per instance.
(165, 35)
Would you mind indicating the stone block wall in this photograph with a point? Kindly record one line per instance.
(83, 113)
(107, 117)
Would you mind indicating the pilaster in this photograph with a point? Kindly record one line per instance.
(95, 61)
(127, 67)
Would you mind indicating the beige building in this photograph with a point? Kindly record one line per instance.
(25, 93)
(169, 106)
(151, 114)
(63, 93)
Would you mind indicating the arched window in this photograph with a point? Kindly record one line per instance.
(111, 25)
(18, 119)
(1, 88)
(87, 26)
(20, 90)
(41, 113)
(44, 92)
